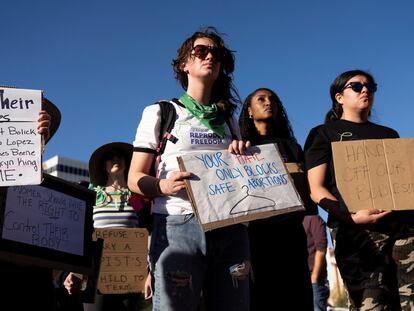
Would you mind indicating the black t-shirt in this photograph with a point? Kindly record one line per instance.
(318, 144)
(289, 149)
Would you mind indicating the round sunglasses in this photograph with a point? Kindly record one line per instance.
(201, 51)
(358, 86)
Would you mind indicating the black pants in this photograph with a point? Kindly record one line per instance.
(26, 288)
(280, 267)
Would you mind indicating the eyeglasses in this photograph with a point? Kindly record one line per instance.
(201, 51)
(358, 86)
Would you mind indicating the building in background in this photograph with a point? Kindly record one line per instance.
(338, 297)
(65, 168)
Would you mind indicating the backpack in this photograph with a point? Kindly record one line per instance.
(142, 204)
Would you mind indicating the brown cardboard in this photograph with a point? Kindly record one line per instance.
(376, 173)
(300, 181)
(124, 260)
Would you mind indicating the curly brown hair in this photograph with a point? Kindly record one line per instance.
(224, 92)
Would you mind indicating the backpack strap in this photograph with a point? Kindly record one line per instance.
(168, 117)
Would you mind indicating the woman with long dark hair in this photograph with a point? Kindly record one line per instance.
(373, 248)
(278, 244)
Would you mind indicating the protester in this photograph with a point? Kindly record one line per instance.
(28, 286)
(108, 169)
(278, 244)
(374, 248)
(315, 229)
(183, 259)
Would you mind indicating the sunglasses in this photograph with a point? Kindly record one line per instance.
(201, 51)
(358, 86)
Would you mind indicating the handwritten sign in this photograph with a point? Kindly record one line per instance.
(377, 173)
(44, 217)
(230, 188)
(20, 144)
(124, 260)
(48, 225)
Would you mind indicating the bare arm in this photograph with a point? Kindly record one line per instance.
(140, 167)
(318, 265)
(325, 199)
(321, 195)
(148, 287)
(139, 180)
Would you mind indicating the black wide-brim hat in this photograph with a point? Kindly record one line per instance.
(97, 174)
(51, 109)
(55, 116)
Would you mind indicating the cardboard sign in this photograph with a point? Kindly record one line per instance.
(300, 180)
(48, 225)
(124, 260)
(20, 144)
(376, 173)
(229, 189)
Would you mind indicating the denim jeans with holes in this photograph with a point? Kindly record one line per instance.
(185, 261)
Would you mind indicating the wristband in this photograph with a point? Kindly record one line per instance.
(150, 186)
(328, 205)
(158, 187)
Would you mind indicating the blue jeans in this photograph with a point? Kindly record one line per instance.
(185, 261)
(320, 295)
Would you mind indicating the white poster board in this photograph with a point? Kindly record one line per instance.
(20, 144)
(228, 189)
(43, 217)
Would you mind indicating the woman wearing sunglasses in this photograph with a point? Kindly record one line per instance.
(183, 259)
(372, 246)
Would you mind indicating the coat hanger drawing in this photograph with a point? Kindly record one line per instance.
(266, 203)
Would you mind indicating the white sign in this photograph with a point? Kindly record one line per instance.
(230, 188)
(20, 144)
(43, 217)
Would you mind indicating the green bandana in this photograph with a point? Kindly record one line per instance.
(208, 115)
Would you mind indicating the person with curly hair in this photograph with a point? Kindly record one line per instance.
(184, 260)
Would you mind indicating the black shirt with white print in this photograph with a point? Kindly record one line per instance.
(318, 144)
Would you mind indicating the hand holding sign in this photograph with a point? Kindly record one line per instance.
(174, 183)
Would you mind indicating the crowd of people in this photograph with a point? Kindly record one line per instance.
(277, 263)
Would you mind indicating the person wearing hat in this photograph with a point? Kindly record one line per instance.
(25, 286)
(108, 169)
